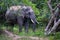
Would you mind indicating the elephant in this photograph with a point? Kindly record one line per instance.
(22, 15)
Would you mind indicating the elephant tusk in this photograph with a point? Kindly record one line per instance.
(37, 22)
(32, 21)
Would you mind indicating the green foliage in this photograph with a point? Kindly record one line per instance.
(41, 10)
(4, 37)
(7, 3)
(57, 36)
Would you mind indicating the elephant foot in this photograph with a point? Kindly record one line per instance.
(26, 31)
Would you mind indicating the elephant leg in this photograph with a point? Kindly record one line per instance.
(26, 26)
(33, 27)
(12, 26)
(9, 25)
(20, 23)
(6, 25)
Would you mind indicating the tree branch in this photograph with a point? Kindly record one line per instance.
(50, 6)
(53, 12)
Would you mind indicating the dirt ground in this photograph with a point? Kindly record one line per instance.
(16, 37)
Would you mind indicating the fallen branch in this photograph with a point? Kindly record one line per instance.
(16, 37)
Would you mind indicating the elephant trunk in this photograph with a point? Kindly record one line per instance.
(34, 21)
(33, 18)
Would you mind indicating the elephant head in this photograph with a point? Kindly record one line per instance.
(29, 13)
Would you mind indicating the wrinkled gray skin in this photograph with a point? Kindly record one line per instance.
(21, 14)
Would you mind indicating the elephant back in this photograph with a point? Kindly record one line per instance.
(15, 8)
(15, 11)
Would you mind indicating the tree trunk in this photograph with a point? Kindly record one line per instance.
(54, 27)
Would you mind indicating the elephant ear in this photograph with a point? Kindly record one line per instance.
(21, 13)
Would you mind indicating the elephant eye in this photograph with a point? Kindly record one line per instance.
(29, 13)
